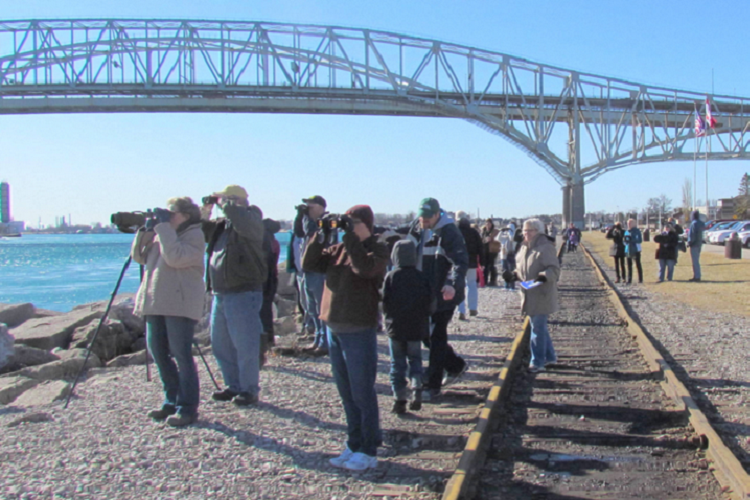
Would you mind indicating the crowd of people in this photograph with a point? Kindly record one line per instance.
(354, 280)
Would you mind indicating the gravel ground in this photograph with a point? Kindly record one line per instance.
(103, 446)
(596, 424)
(707, 350)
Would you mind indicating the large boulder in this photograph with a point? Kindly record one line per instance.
(6, 346)
(93, 362)
(63, 368)
(121, 310)
(12, 387)
(114, 339)
(28, 356)
(15, 314)
(46, 313)
(44, 394)
(54, 331)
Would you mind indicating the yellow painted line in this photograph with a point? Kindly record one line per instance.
(728, 470)
(472, 457)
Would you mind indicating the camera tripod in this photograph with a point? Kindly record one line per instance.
(99, 326)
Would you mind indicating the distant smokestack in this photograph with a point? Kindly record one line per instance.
(4, 202)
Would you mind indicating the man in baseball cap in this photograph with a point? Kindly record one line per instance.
(235, 275)
(313, 283)
(446, 269)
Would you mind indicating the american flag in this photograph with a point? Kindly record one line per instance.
(700, 125)
(710, 120)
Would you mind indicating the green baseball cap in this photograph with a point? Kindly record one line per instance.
(428, 207)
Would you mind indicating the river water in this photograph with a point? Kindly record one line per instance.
(60, 271)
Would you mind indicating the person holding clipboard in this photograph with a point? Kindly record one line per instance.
(538, 270)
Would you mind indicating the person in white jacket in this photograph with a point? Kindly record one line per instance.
(171, 300)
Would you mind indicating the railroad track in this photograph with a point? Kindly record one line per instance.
(609, 421)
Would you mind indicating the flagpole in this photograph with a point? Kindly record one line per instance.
(695, 170)
(708, 151)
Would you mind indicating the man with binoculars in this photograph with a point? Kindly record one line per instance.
(236, 271)
(313, 283)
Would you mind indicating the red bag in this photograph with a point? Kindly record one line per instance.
(480, 274)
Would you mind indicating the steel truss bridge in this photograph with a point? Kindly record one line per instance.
(577, 126)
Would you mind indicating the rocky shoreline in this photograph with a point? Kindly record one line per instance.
(41, 350)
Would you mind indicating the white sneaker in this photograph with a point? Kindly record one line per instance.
(360, 461)
(341, 459)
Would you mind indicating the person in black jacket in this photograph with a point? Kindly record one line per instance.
(667, 251)
(475, 250)
(407, 305)
(617, 235)
(442, 257)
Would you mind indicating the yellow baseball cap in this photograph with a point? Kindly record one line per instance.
(233, 190)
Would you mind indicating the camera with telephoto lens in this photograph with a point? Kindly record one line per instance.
(129, 222)
(210, 200)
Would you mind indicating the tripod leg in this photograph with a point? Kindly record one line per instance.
(98, 327)
(207, 367)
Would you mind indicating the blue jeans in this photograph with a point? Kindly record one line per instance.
(473, 295)
(307, 320)
(354, 363)
(314, 284)
(542, 351)
(401, 352)
(235, 337)
(669, 266)
(170, 340)
(695, 256)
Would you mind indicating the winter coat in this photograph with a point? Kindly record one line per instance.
(354, 272)
(172, 283)
(473, 242)
(407, 296)
(667, 245)
(538, 257)
(633, 239)
(488, 236)
(695, 238)
(442, 257)
(617, 235)
(242, 262)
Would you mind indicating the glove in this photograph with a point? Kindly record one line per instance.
(541, 278)
(346, 223)
(150, 224)
(162, 215)
(509, 276)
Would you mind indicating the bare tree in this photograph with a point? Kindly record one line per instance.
(687, 196)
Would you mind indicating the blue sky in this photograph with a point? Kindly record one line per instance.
(89, 166)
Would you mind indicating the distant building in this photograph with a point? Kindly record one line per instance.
(4, 202)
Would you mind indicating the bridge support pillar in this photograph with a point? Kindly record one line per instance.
(573, 205)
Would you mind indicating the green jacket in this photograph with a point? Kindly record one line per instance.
(243, 266)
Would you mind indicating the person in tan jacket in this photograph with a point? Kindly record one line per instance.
(171, 300)
(537, 262)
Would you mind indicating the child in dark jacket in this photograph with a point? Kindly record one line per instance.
(407, 304)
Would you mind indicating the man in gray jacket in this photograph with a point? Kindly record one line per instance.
(235, 274)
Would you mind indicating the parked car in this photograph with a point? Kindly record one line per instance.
(710, 224)
(721, 226)
(718, 237)
(745, 237)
